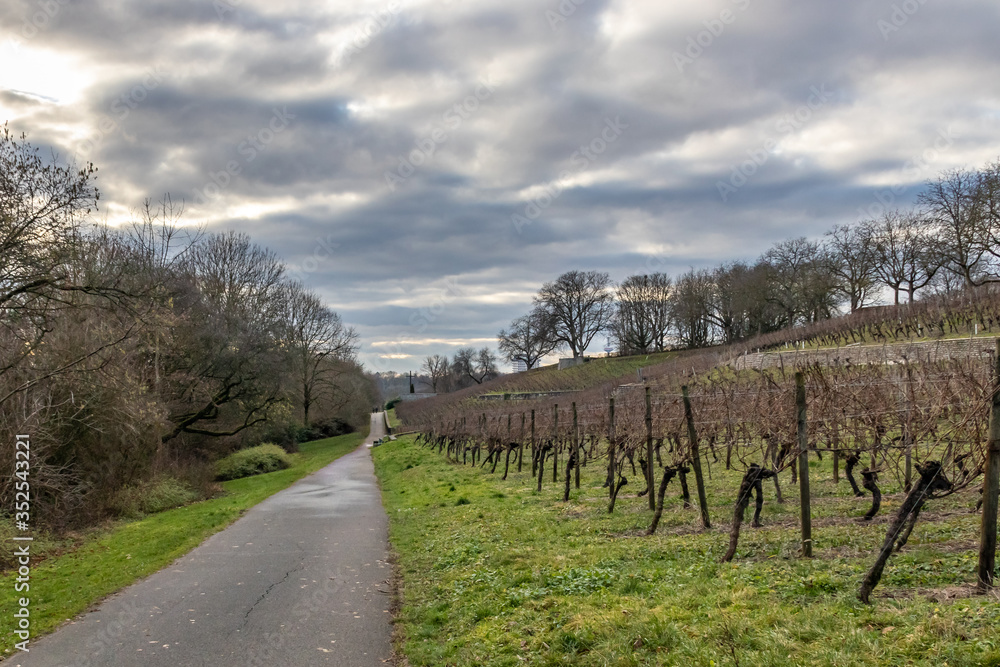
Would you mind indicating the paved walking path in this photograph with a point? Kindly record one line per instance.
(300, 579)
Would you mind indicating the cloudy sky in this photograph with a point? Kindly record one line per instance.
(426, 164)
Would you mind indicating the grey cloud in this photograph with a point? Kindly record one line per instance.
(320, 186)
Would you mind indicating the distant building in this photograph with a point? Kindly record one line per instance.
(518, 366)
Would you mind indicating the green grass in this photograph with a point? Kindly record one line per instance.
(584, 376)
(393, 419)
(65, 585)
(608, 368)
(494, 573)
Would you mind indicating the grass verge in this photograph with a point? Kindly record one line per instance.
(65, 585)
(494, 573)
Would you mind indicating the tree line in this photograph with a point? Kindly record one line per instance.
(947, 242)
(466, 368)
(137, 353)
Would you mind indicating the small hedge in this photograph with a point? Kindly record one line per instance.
(152, 497)
(267, 457)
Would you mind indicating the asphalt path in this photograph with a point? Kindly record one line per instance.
(300, 579)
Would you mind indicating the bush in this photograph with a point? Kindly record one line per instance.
(267, 457)
(286, 435)
(330, 428)
(153, 496)
(393, 402)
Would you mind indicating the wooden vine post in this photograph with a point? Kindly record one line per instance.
(520, 445)
(555, 442)
(696, 459)
(991, 489)
(836, 452)
(611, 447)
(649, 451)
(803, 436)
(534, 450)
(908, 432)
(576, 446)
(542, 448)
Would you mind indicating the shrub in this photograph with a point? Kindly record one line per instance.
(330, 428)
(153, 496)
(267, 457)
(286, 435)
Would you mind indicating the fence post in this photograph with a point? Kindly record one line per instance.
(836, 452)
(696, 459)
(803, 437)
(520, 446)
(649, 450)
(534, 450)
(555, 442)
(576, 446)
(991, 489)
(611, 447)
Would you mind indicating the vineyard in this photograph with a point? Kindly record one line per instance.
(923, 428)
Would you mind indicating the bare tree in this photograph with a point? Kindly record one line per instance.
(529, 338)
(224, 367)
(988, 204)
(476, 365)
(691, 303)
(41, 206)
(740, 305)
(436, 367)
(802, 284)
(903, 248)
(486, 365)
(581, 304)
(316, 336)
(852, 262)
(642, 318)
(954, 204)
